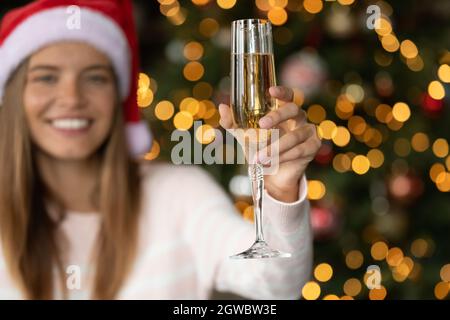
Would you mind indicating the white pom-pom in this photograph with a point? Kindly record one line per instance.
(139, 138)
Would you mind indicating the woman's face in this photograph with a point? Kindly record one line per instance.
(69, 100)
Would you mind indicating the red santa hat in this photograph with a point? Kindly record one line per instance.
(107, 25)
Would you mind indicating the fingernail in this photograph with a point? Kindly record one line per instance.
(265, 122)
(263, 159)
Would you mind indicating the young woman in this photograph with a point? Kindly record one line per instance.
(81, 218)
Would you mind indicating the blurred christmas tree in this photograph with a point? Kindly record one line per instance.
(379, 186)
(380, 98)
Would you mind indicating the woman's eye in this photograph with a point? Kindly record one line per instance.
(98, 79)
(46, 79)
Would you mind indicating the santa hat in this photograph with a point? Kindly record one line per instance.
(107, 25)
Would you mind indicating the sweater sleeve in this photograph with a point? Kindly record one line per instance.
(215, 230)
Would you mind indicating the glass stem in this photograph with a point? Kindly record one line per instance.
(256, 174)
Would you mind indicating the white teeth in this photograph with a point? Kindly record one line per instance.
(70, 124)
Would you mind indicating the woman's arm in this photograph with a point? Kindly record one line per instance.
(215, 231)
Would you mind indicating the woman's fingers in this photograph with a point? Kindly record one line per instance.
(288, 142)
(307, 150)
(283, 113)
(282, 93)
(226, 119)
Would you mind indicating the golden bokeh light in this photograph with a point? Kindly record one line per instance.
(327, 129)
(378, 294)
(376, 158)
(183, 120)
(408, 49)
(263, 5)
(323, 272)
(193, 71)
(311, 290)
(278, 3)
(190, 105)
(164, 110)
(436, 90)
(379, 250)
(352, 287)
(313, 6)
(441, 290)
(357, 125)
(342, 137)
(354, 259)
(401, 111)
(200, 2)
(354, 92)
(390, 43)
(144, 97)
(346, 2)
(419, 248)
(415, 64)
(440, 148)
(205, 134)
(226, 4)
(316, 113)
(360, 164)
(444, 73)
(394, 256)
(435, 170)
(179, 17)
(316, 189)
(383, 26)
(383, 113)
(331, 297)
(202, 90)
(208, 27)
(443, 182)
(420, 142)
(193, 50)
(144, 81)
(278, 16)
(445, 273)
(154, 151)
(342, 163)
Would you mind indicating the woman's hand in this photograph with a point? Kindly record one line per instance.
(298, 143)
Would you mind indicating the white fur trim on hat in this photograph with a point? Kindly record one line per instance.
(50, 26)
(139, 137)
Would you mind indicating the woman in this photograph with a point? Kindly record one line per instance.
(81, 218)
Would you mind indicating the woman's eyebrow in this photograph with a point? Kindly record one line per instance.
(43, 67)
(99, 66)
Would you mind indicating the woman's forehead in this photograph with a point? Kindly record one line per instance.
(69, 54)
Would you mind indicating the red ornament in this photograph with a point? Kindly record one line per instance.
(431, 106)
(325, 154)
(325, 223)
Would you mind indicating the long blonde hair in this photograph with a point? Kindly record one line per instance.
(30, 240)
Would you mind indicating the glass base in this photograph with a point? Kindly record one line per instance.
(260, 250)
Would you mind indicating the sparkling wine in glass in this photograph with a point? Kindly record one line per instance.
(252, 74)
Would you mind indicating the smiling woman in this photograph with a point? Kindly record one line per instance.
(70, 99)
(75, 201)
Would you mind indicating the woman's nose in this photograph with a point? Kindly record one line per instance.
(70, 93)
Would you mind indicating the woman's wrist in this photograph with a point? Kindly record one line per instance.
(286, 193)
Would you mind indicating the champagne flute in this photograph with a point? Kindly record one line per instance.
(252, 74)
